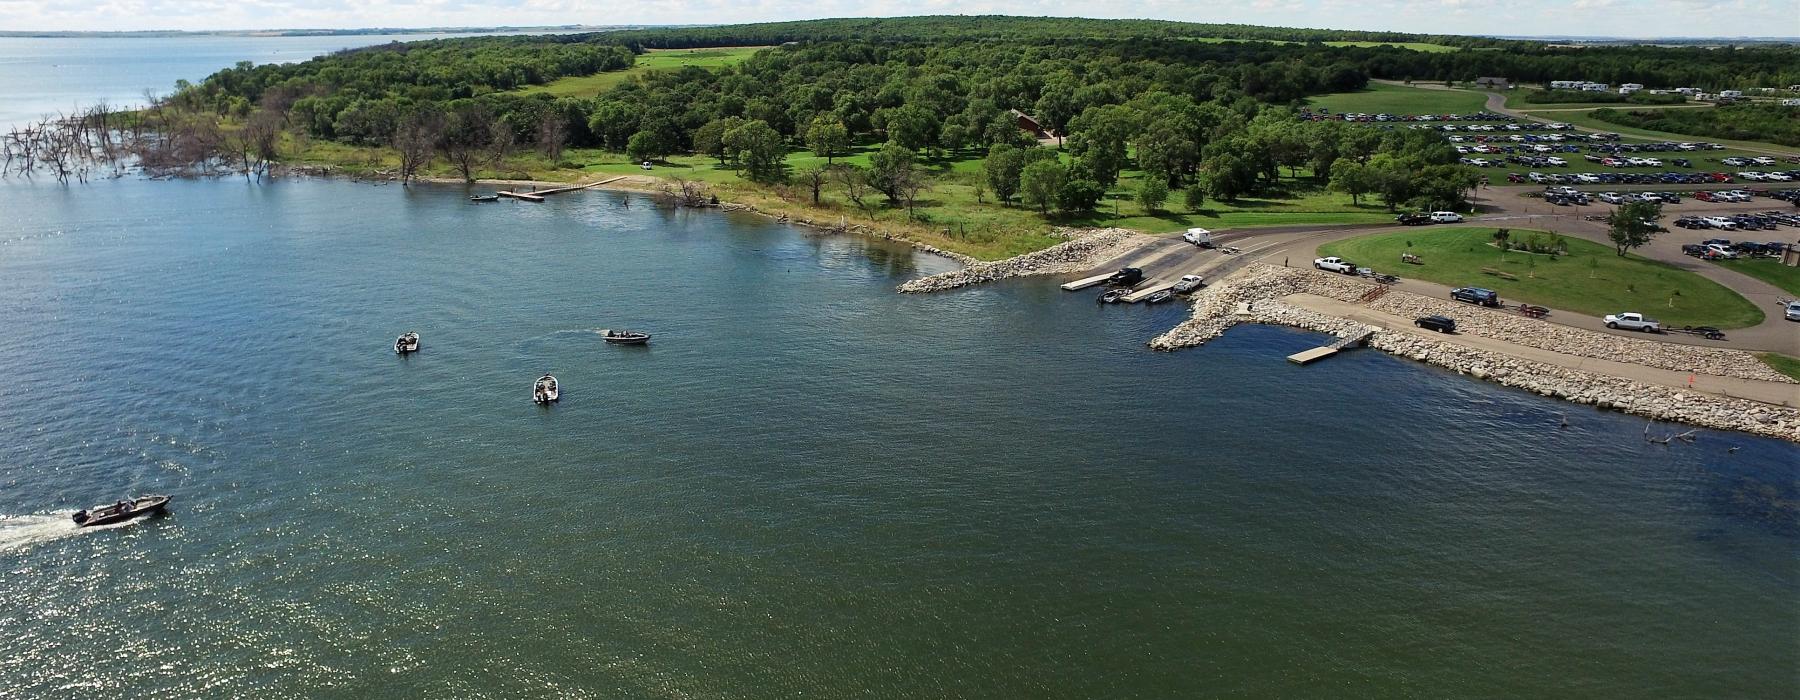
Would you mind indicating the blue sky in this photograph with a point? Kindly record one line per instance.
(1635, 18)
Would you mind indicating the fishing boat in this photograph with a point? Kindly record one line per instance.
(1112, 296)
(407, 342)
(545, 390)
(621, 337)
(120, 511)
(484, 198)
(1159, 297)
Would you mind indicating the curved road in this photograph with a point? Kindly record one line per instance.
(1169, 258)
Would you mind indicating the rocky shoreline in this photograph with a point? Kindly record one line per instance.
(1253, 295)
(1084, 249)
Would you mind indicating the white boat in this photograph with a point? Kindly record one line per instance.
(619, 337)
(546, 390)
(408, 342)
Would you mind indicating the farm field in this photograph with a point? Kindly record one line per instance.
(650, 61)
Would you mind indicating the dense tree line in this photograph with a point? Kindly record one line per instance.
(1746, 121)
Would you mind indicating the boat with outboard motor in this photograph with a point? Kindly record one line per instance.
(407, 342)
(120, 511)
(546, 390)
(622, 337)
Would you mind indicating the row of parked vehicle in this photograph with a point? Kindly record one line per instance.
(1419, 218)
(1769, 175)
(1765, 221)
(1629, 197)
(1723, 196)
(1665, 178)
(1739, 162)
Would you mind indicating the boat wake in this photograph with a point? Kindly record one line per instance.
(21, 531)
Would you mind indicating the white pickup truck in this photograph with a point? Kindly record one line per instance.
(1633, 322)
(1335, 264)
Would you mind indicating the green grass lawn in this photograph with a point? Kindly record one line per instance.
(1590, 280)
(1768, 270)
(652, 60)
(1784, 364)
(1399, 99)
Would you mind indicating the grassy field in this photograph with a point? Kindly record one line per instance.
(652, 60)
(1784, 364)
(1399, 99)
(1767, 270)
(1590, 280)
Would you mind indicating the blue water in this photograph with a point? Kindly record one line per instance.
(46, 76)
(808, 485)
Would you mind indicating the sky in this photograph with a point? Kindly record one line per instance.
(1621, 18)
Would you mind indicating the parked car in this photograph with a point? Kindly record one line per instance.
(1187, 283)
(1412, 219)
(1126, 277)
(1441, 324)
(1633, 321)
(1446, 217)
(1791, 311)
(1335, 264)
(1476, 295)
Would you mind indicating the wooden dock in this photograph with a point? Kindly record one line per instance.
(1307, 357)
(1086, 282)
(539, 195)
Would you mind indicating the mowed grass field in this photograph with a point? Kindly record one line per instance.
(1378, 98)
(1767, 269)
(650, 61)
(1587, 120)
(1590, 280)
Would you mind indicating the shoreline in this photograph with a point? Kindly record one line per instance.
(1258, 294)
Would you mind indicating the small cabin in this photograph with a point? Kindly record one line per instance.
(1030, 124)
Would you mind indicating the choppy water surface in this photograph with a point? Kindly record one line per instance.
(807, 486)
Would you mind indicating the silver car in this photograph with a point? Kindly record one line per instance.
(1793, 311)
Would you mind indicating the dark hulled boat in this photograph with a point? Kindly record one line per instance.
(624, 337)
(120, 511)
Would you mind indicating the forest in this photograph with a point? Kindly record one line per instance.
(1192, 112)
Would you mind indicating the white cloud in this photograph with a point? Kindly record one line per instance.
(1634, 18)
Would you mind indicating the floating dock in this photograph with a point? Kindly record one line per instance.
(1307, 357)
(1145, 293)
(539, 195)
(1086, 282)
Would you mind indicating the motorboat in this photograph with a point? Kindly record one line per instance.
(622, 337)
(407, 342)
(545, 390)
(484, 198)
(1112, 296)
(1159, 297)
(120, 511)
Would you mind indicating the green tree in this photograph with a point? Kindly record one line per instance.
(1041, 182)
(1194, 197)
(1152, 192)
(645, 146)
(912, 126)
(710, 137)
(891, 169)
(759, 148)
(827, 137)
(1352, 178)
(1002, 168)
(1079, 191)
(1632, 225)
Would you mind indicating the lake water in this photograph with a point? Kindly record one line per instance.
(45, 76)
(808, 486)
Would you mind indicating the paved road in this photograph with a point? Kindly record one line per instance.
(1169, 258)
